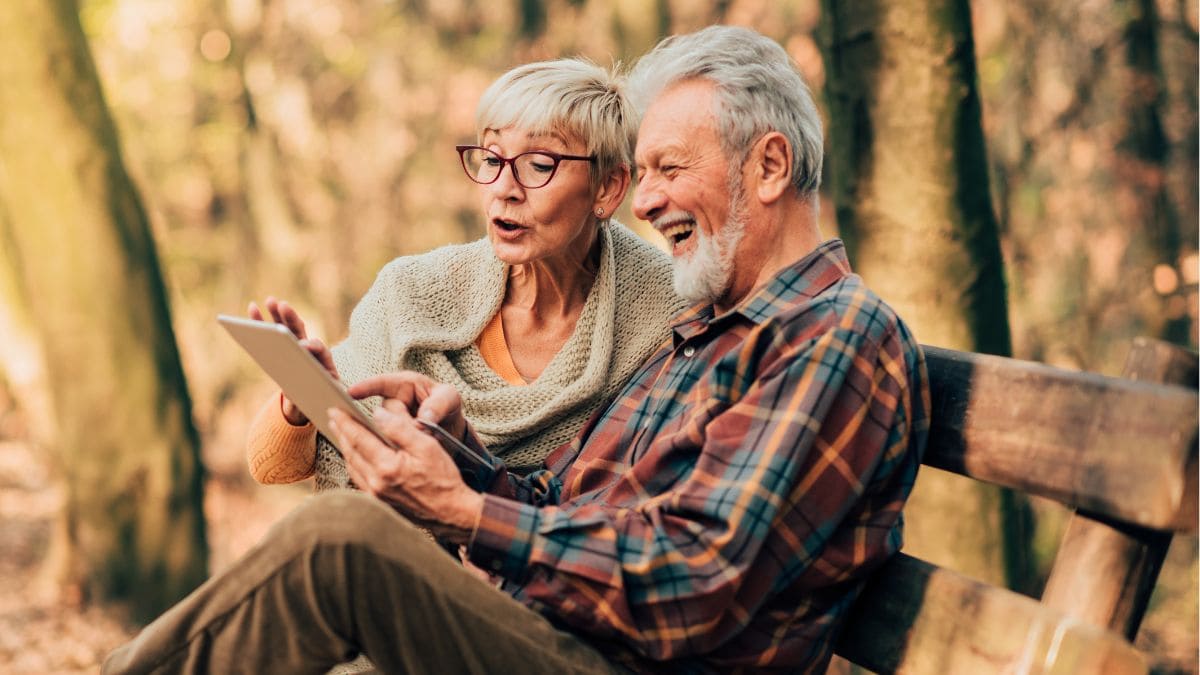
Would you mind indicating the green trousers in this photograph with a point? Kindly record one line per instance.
(344, 574)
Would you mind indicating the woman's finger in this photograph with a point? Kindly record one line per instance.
(272, 307)
(291, 318)
(321, 353)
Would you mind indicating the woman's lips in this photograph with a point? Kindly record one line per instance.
(507, 229)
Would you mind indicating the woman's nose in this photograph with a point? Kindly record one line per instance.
(506, 186)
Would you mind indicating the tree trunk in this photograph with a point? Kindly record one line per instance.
(132, 526)
(1145, 149)
(910, 185)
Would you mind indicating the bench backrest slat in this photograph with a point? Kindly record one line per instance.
(1120, 451)
(918, 619)
(1105, 570)
(1066, 435)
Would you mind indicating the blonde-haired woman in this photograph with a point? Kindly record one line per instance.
(539, 323)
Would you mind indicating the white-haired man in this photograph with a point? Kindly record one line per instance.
(721, 514)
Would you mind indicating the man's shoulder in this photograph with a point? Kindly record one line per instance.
(847, 305)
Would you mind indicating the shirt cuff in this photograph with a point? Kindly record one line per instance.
(503, 537)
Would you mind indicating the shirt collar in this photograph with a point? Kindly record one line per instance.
(803, 279)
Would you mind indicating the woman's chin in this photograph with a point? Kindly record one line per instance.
(513, 252)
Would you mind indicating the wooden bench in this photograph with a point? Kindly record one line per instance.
(1121, 452)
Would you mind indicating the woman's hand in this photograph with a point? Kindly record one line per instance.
(283, 313)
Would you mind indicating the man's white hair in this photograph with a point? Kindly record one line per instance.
(758, 90)
(571, 97)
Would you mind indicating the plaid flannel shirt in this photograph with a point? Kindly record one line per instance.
(724, 511)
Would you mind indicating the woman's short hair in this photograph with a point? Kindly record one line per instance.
(571, 97)
(758, 90)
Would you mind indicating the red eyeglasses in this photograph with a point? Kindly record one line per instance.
(530, 169)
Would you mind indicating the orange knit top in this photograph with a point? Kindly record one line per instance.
(494, 350)
(280, 452)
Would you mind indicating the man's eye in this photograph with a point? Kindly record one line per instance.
(669, 169)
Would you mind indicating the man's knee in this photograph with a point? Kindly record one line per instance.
(341, 517)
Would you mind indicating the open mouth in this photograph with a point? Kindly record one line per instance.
(678, 233)
(506, 225)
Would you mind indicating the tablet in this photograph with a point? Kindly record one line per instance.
(303, 379)
(307, 384)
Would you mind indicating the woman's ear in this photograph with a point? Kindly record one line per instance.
(611, 192)
(772, 166)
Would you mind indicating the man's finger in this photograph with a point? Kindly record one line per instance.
(443, 404)
(396, 405)
(400, 428)
(354, 438)
(373, 477)
(405, 386)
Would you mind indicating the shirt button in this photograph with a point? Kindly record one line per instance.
(689, 351)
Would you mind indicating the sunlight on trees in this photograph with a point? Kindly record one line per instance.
(292, 147)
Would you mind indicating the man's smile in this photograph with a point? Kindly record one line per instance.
(676, 228)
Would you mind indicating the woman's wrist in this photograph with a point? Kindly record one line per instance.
(291, 414)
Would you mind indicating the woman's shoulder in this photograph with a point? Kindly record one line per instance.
(626, 242)
(444, 262)
(643, 273)
(434, 284)
(634, 254)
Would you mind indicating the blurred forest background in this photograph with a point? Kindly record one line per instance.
(292, 147)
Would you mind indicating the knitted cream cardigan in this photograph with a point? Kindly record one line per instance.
(425, 312)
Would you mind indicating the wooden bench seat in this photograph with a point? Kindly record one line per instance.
(1121, 452)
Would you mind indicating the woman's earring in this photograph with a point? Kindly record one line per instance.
(599, 213)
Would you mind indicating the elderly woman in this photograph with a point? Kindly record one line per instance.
(538, 324)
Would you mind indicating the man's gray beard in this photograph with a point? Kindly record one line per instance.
(705, 275)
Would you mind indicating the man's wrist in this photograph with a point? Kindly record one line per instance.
(504, 536)
(460, 521)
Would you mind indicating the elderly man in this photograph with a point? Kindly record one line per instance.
(724, 511)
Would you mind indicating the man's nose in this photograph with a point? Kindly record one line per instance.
(649, 200)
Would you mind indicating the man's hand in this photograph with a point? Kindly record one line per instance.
(283, 313)
(418, 478)
(421, 396)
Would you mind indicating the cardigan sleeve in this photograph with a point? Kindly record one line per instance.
(278, 451)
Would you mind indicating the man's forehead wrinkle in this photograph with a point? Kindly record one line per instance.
(657, 147)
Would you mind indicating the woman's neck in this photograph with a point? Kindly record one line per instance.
(554, 287)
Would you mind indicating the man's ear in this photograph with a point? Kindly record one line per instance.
(772, 166)
(612, 191)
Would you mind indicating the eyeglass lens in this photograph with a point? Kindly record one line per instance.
(532, 169)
